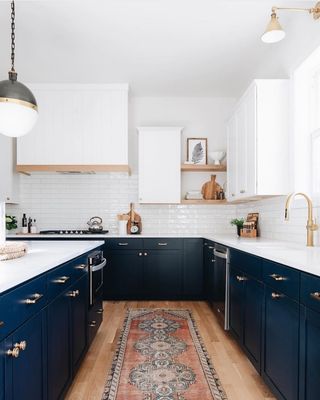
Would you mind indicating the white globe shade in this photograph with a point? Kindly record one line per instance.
(16, 119)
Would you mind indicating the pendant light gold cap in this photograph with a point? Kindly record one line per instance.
(274, 32)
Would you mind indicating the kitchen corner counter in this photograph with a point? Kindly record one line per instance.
(303, 258)
(41, 257)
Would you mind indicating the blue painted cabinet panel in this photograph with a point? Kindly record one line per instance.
(25, 375)
(59, 349)
(193, 279)
(281, 344)
(309, 354)
(2, 370)
(236, 303)
(162, 275)
(79, 306)
(208, 264)
(252, 320)
(123, 276)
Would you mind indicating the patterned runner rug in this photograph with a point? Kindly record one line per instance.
(161, 356)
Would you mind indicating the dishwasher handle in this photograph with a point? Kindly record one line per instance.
(220, 254)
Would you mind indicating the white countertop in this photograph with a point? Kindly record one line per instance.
(41, 257)
(104, 236)
(297, 256)
(293, 255)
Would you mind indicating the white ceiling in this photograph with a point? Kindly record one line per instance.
(161, 47)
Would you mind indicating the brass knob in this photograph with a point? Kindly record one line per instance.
(275, 295)
(81, 267)
(100, 311)
(315, 295)
(62, 280)
(14, 352)
(35, 299)
(140, 254)
(93, 324)
(145, 254)
(21, 346)
(241, 278)
(277, 277)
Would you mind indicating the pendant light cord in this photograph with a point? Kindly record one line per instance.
(13, 35)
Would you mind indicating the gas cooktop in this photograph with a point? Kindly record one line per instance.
(71, 232)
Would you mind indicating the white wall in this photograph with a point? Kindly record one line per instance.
(67, 201)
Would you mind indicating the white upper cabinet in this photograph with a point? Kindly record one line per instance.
(159, 164)
(78, 125)
(8, 176)
(258, 139)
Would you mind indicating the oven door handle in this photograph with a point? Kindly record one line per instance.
(219, 254)
(95, 268)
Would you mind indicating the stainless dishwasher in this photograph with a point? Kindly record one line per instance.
(220, 295)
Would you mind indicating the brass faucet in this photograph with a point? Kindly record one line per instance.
(311, 225)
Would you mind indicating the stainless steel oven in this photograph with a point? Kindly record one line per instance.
(220, 298)
(96, 264)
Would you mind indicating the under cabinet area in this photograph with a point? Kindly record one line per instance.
(258, 142)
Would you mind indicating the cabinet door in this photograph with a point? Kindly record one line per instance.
(193, 269)
(8, 178)
(25, 375)
(281, 344)
(123, 275)
(252, 323)
(2, 369)
(236, 303)
(309, 354)
(159, 165)
(163, 274)
(208, 271)
(232, 159)
(59, 349)
(79, 313)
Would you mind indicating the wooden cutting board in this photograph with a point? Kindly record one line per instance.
(209, 189)
(134, 221)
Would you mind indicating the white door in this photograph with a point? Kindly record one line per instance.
(160, 165)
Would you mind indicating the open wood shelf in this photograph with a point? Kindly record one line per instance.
(203, 168)
(183, 201)
(27, 169)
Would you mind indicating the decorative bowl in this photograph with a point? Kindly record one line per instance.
(216, 156)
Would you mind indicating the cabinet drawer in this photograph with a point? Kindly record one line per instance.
(283, 279)
(21, 303)
(310, 291)
(124, 243)
(246, 262)
(62, 277)
(163, 244)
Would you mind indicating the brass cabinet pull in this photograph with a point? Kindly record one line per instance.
(100, 311)
(315, 295)
(140, 254)
(241, 278)
(123, 244)
(145, 254)
(21, 346)
(35, 298)
(74, 293)
(93, 324)
(162, 244)
(13, 352)
(213, 260)
(81, 267)
(210, 247)
(62, 280)
(277, 277)
(275, 295)
(1, 324)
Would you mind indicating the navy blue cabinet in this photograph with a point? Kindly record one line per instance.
(59, 350)
(281, 344)
(208, 266)
(79, 306)
(246, 303)
(2, 370)
(193, 275)
(123, 279)
(162, 276)
(25, 371)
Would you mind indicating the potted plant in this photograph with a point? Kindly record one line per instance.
(238, 222)
(11, 222)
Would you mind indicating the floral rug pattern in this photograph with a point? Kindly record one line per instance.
(161, 357)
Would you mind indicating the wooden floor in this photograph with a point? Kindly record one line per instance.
(238, 377)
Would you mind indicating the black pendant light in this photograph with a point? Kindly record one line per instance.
(18, 106)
